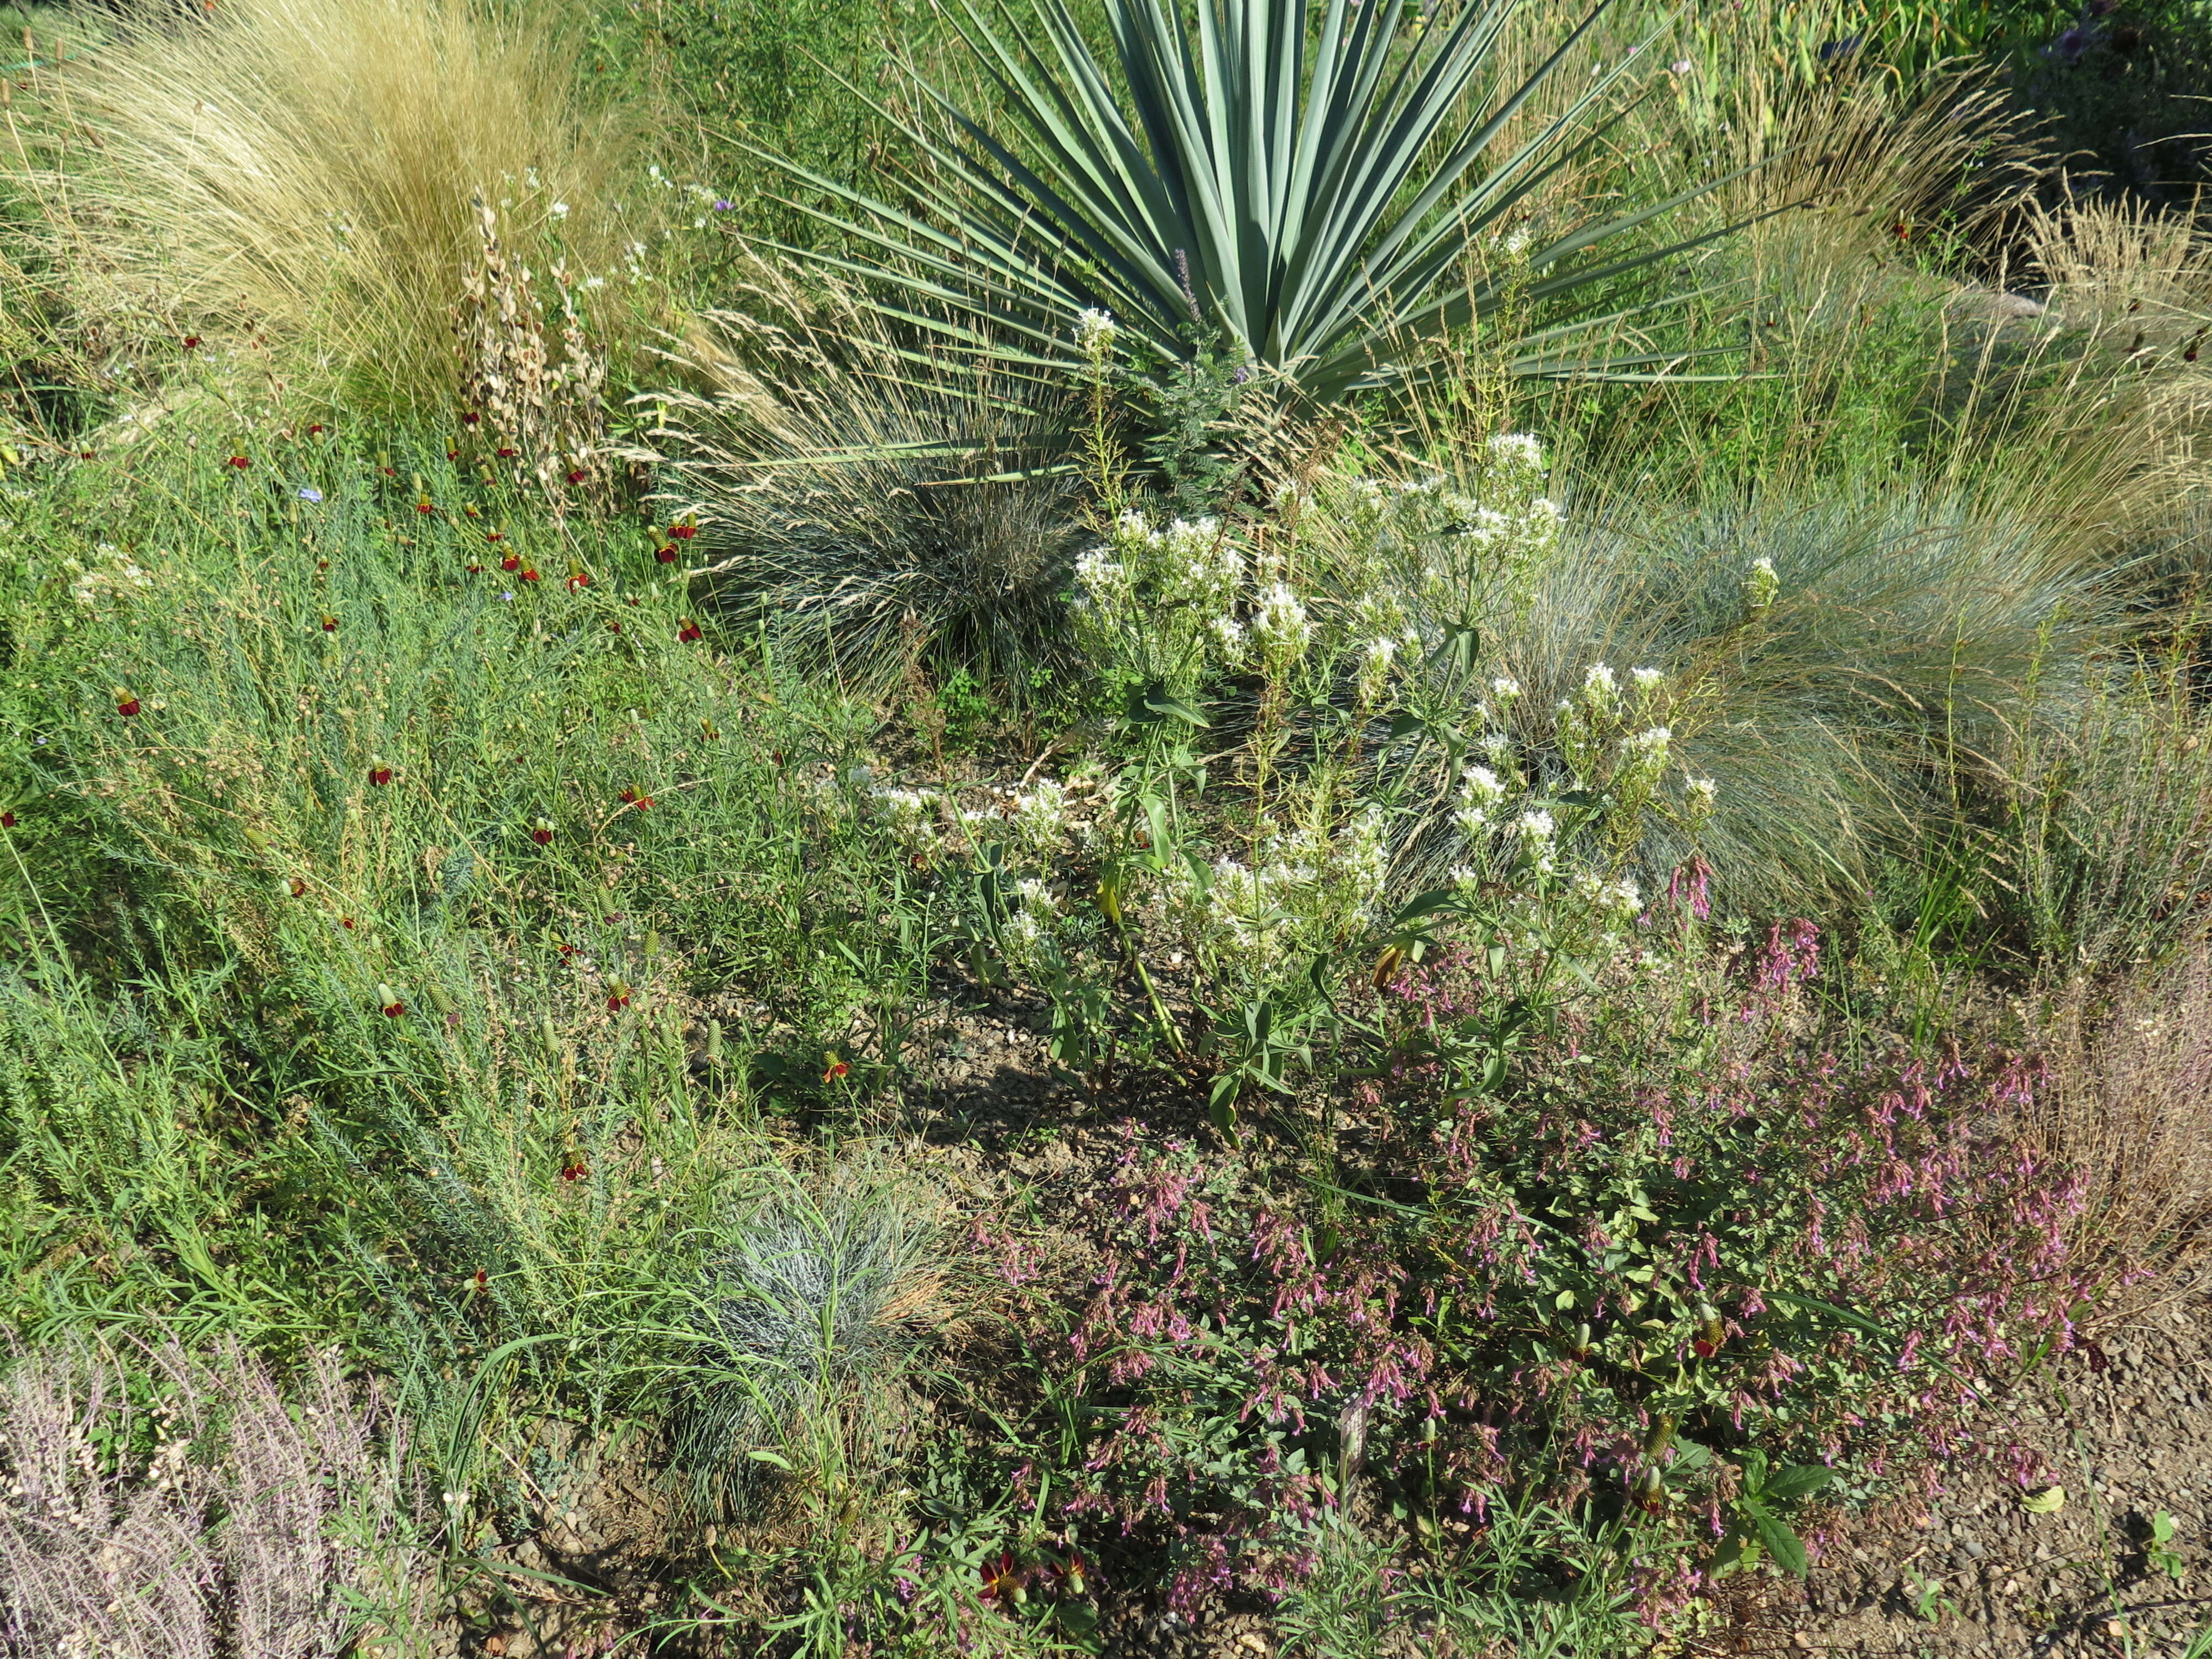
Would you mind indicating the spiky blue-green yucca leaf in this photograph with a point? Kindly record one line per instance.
(1304, 176)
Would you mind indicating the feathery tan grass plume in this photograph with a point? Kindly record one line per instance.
(300, 174)
(2129, 1108)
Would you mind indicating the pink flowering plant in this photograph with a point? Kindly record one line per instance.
(1662, 1263)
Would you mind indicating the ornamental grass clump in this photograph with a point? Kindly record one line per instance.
(294, 177)
(867, 512)
(814, 1306)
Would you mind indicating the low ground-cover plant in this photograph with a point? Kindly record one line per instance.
(1672, 1240)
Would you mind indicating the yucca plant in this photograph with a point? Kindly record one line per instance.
(1302, 182)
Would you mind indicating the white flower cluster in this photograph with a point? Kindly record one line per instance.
(912, 815)
(114, 581)
(1618, 900)
(1302, 888)
(1760, 585)
(1094, 333)
(1027, 932)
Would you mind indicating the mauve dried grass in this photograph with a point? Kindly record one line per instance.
(240, 1535)
(2130, 1104)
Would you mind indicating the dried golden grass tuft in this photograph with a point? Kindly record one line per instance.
(2130, 1106)
(298, 174)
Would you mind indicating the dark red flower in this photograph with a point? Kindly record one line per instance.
(470, 417)
(316, 429)
(426, 507)
(665, 554)
(298, 888)
(191, 342)
(84, 454)
(506, 454)
(511, 562)
(577, 476)
(1702, 1349)
(1000, 1579)
(240, 462)
(632, 798)
(482, 1280)
(683, 530)
(494, 535)
(542, 831)
(530, 573)
(346, 923)
(579, 579)
(573, 1168)
(126, 706)
(835, 1069)
(389, 472)
(330, 625)
(614, 628)
(687, 630)
(474, 568)
(379, 773)
(618, 995)
(7, 819)
(453, 454)
(565, 950)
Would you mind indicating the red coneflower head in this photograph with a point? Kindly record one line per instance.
(191, 342)
(297, 887)
(379, 773)
(687, 630)
(1001, 1580)
(316, 429)
(542, 831)
(665, 554)
(632, 798)
(7, 819)
(578, 577)
(480, 1280)
(576, 476)
(330, 625)
(506, 454)
(470, 417)
(426, 507)
(125, 704)
(511, 562)
(833, 1068)
(494, 535)
(241, 462)
(572, 1167)
(389, 1001)
(530, 573)
(474, 568)
(346, 923)
(684, 529)
(618, 995)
